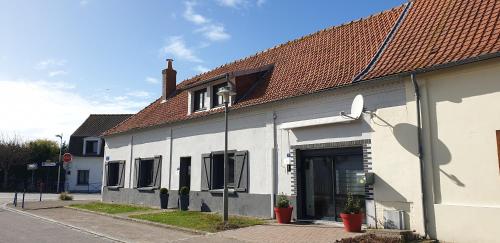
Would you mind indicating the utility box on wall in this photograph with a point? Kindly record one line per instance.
(394, 219)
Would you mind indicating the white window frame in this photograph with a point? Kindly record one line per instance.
(99, 141)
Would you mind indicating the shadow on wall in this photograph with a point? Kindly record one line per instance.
(403, 131)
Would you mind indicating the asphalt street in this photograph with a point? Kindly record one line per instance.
(15, 227)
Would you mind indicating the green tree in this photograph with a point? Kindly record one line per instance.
(42, 150)
(13, 151)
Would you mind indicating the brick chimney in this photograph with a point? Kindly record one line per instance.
(169, 80)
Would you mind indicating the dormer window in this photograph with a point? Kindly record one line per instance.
(91, 146)
(199, 99)
(217, 99)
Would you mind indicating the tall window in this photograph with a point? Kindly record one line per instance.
(199, 99)
(217, 99)
(113, 174)
(218, 171)
(82, 177)
(91, 146)
(146, 173)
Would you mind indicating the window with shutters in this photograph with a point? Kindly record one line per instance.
(212, 171)
(147, 173)
(82, 177)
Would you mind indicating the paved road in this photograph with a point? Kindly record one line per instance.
(20, 228)
(9, 196)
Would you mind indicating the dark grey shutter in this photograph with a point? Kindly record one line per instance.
(121, 176)
(206, 168)
(241, 170)
(157, 172)
(105, 181)
(136, 172)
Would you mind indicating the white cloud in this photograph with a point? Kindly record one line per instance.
(201, 69)
(232, 3)
(192, 16)
(139, 94)
(41, 109)
(152, 80)
(57, 72)
(177, 47)
(260, 3)
(214, 32)
(84, 2)
(50, 63)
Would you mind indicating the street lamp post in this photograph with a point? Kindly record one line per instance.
(60, 136)
(225, 92)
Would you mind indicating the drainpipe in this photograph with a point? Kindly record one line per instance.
(420, 148)
(274, 165)
(170, 161)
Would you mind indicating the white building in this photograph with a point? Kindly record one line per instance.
(429, 133)
(84, 172)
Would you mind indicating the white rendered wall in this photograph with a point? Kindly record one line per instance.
(94, 165)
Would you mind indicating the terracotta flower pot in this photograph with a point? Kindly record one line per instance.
(283, 215)
(352, 222)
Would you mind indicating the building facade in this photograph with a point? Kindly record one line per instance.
(84, 172)
(424, 149)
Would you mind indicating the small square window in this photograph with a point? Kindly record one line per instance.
(199, 99)
(91, 146)
(217, 99)
(82, 177)
(146, 173)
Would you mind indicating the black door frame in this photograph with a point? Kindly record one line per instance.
(301, 154)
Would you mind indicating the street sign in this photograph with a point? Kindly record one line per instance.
(49, 164)
(32, 166)
(67, 157)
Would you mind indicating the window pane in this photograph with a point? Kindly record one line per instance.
(218, 171)
(82, 177)
(91, 147)
(199, 99)
(146, 173)
(113, 174)
(217, 99)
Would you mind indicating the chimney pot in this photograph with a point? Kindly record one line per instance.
(169, 80)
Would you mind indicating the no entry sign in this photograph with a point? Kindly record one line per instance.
(67, 157)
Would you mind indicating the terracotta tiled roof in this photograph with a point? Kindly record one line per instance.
(437, 32)
(432, 32)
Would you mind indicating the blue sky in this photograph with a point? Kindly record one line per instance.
(61, 60)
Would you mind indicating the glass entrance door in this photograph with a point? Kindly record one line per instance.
(326, 179)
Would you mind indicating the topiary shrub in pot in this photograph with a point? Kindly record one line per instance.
(184, 198)
(351, 214)
(283, 210)
(163, 198)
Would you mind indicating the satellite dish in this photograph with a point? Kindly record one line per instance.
(357, 106)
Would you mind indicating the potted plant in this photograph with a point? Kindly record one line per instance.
(163, 198)
(351, 214)
(184, 198)
(283, 210)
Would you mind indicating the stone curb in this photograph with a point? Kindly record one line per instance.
(105, 236)
(192, 231)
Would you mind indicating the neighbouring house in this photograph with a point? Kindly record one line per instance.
(84, 172)
(423, 154)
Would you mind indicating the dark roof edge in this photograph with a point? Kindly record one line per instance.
(387, 77)
(386, 42)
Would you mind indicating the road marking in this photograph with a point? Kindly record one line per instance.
(105, 236)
